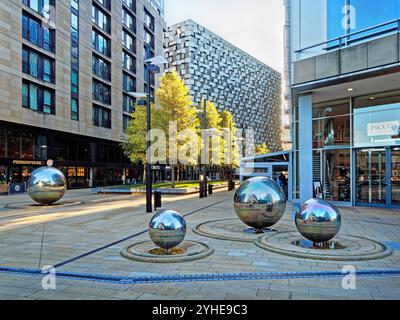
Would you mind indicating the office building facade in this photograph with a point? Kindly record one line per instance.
(343, 60)
(68, 70)
(214, 69)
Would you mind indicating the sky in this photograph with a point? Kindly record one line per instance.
(255, 26)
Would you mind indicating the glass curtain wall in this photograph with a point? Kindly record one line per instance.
(332, 153)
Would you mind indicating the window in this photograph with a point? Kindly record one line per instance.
(33, 64)
(148, 20)
(148, 38)
(101, 92)
(74, 60)
(74, 4)
(125, 122)
(128, 83)
(36, 34)
(128, 103)
(334, 173)
(128, 62)
(25, 95)
(74, 109)
(74, 82)
(101, 44)
(37, 65)
(129, 42)
(366, 14)
(101, 68)
(43, 7)
(331, 124)
(38, 98)
(106, 3)
(47, 101)
(101, 19)
(128, 20)
(101, 117)
(131, 4)
(74, 21)
(377, 121)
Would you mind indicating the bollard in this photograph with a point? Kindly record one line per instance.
(201, 192)
(210, 189)
(157, 199)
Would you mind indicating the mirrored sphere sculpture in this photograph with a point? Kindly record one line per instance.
(167, 229)
(47, 185)
(259, 203)
(318, 220)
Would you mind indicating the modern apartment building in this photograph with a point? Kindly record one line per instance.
(214, 69)
(343, 59)
(67, 72)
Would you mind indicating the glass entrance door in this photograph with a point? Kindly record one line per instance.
(395, 178)
(371, 177)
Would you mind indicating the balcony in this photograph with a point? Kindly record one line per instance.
(371, 51)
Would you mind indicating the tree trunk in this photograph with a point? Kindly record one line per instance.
(178, 176)
(173, 175)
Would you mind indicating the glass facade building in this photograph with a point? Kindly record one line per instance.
(345, 91)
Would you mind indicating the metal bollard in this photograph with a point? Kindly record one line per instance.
(157, 199)
(201, 192)
(210, 189)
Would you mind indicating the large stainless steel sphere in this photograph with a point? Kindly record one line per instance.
(318, 220)
(167, 229)
(47, 185)
(259, 203)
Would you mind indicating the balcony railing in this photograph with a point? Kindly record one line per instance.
(387, 28)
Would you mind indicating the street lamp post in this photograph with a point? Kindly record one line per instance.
(204, 171)
(149, 178)
(151, 66)
(231, 158)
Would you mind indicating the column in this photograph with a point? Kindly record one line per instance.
(305, 147)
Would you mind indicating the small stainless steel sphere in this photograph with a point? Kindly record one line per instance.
(167, 229)
(259, 203)
(47, 185)
(318, 220)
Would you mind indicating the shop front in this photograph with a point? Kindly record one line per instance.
(355, 150)
(86, 162)
(377, 153)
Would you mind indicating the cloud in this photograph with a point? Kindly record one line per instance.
(255, 26)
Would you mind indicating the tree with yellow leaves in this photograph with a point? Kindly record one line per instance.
(211, 138)
(231, 154)
(134, 143)
(177, 117)
(262, 149)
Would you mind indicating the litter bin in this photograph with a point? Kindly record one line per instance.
(210, 189)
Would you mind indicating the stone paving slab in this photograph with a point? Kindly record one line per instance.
(100, 221)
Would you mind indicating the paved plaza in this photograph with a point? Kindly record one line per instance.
(85, 238)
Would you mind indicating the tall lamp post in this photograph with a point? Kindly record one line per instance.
(230, 187)
(151, 66)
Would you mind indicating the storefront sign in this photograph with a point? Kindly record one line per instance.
(389, 128)
(28, 162)
(377, 126)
